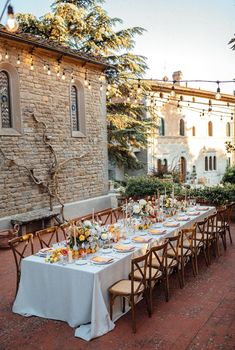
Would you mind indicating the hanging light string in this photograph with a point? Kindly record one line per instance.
(92, 78)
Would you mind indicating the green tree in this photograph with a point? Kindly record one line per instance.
(84, 25)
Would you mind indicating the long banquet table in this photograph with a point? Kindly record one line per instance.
(78, 294)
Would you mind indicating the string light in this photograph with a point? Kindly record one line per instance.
(44, 66)
(218, 95)
(63, 75)
(18, 60)
(101, 87)
(6, 55)
(31, 65)
(173, 90)
(139, 90)
(89, 86)
(86, 80)
(49, 70)
(72, 78)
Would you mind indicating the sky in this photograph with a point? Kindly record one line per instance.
(187, 35)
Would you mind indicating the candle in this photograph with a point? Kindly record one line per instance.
(165, 191)
(75, 247)
(93, 214)
(70, 256)
(173, 192)
(185, 194)
(158, 198)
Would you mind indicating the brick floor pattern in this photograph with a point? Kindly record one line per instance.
(199, 316)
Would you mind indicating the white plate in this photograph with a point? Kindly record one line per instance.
(125, 241)
(101, 263)
(81, 262)
(107, 251)
(142, 233)
(124, 251)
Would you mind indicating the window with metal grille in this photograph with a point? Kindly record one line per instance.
(74, 108)
(182, 128)
(5, 103)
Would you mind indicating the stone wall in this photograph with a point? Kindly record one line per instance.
(48, 97)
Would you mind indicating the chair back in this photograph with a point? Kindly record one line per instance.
(104, 217)
(174, 244)
(221, 218)
(21, 247)
(159, 254)
(118, 214)
(188, 240)
(48, 236)
(139, 264)
(201, 228)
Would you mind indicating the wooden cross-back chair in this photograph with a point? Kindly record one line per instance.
(221, 227)
(157, 269)
(48, 236)
(21, 247)
(173, 257)
(131, 289)
(228, 219)
(188, 249)
(202, 240)
(212, 232)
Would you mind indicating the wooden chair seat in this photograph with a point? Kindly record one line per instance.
(155, 273)
(184, 252)
(170, 262)
(123, 287)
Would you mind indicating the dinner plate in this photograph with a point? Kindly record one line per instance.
(125, 241)
(171, 224)
(106, 250)
(81, 262)
(193, 213)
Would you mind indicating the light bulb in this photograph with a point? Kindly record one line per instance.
(63, 76)
(49, 71)
(6, 55)
(12, 24)
(101, 87)
(44, 66)
(72, 79)
(218, 94)
(18, 60)
(89, 86)
(31, 66)
(172, 91)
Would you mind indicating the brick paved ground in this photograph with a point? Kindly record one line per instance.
(200, 316)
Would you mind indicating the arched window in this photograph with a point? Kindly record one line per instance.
(193, 131)
(214, 162)
(206, 163)
(10, 111)
(228, 129)
(210, 163)
(162, 127)
(165, 168)
(5, 111)
(77, 109)
(210, 128)
(74, 108)
(182, 131)
(159, 165)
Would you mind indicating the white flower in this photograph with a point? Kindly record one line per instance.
(136, 209)
(142, 202)
(104, 236)
(87, 223)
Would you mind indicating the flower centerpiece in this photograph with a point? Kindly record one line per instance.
(84, 237)
(140, 210)
(170, 205)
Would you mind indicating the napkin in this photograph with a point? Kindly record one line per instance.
(203, 208)
(193, 213)
(45, 251)
(101, 259)
(141, 239)
(157, 231)
(182, 218)
(124, 248)
(171, 224)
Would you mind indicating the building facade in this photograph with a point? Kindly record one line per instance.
(194, 127)
(53, 134)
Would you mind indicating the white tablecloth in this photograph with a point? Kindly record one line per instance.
(78, 294)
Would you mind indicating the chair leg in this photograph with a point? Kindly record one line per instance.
(148, 300)
(193, 265)
(196, 264)
(230, 236)
(182, 271)
(179, 277)
(123, 305)
(205, 256)
(166, 285)
(133, 314)
(111, 306)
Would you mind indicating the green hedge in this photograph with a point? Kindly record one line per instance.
(229, 175)
(141, 186)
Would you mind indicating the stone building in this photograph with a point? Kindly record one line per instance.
(195, 124)
(53, 135)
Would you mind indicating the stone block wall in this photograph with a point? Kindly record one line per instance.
(48, 97)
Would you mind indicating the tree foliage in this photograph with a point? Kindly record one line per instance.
(84, 25)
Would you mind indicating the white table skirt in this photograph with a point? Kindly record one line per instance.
(78, 294)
